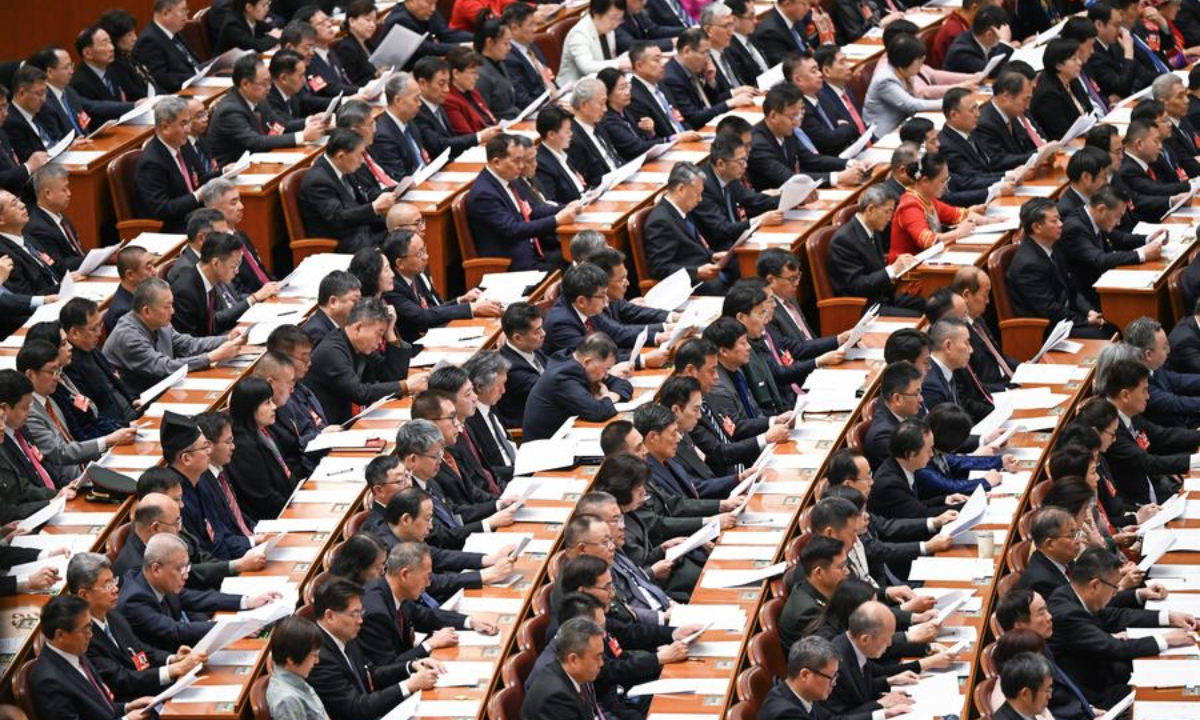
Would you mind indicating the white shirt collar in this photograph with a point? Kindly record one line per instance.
(858, 654)
(20, 241)
(1048, 250)
(645, 82)
(341, 646)
(53, 215)
(908, 476)
(582, 318)
(578, 687)
(28, 118)
(58, 94)
(101, 73)
(671, 202)
(41, 399)
(528, 356)
(1087, 210)
(216, 470)
(807, 705)
(170, 35)
(947, 373)
(504, 183)
(399, 123)
(208, 286)
(1125, 419)
(1142, 164)
(1001, 113)
(73, 659)
(323, 52)
(433, 108)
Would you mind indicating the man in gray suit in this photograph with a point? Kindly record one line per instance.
(46, 425)
(146, 349)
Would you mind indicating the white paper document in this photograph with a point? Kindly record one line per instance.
(951, 568)
(970, 515)
(681, 686)
(721, 578)
(538, 455)
(162, 386)
(722, 617)
(32, 522)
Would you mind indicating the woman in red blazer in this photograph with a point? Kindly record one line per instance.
(465, 107)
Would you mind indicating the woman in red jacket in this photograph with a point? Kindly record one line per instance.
(464, 105)
(921, 219)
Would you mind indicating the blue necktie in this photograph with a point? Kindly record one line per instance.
(805, 141)
(112, 86)
(743, 391)
(439, 509)
(639, 579)
(1061, 677)
(414, 147)
(1159, 65)
(429, 601)
(666, 106)
(1097, 101)
(799, 36)
(71, 115)
(686, 486)
(821, 114)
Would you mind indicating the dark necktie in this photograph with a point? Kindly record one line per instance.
(743, 392)
(501, 438)
(681, 478)
(1062, 678)
(443, 513)
(492, 487)
(183, 49)
(606, 149)
(414, 148)
(605, 49)
(104, 693)
(71, 116)
(212, 313)
(730, 208)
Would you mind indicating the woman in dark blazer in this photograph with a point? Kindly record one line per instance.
(261, 480)
(373, 271)
(1060, 98)
(629, 138)
(245, 28)
(466, 108)
(355, 49)
(132, 77)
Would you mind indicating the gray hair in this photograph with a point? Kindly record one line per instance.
(214, 190)
(875, 196)
(809, 653)
(84, 570)
(405, 555)
(148, 292)
(589, 88)
(164, 5)
(417, 437)
(368, 310)
(168, 109)
(867, 619)
(1141, 333)
(484, 367)
(48, 173)
(1109, 355)
(905, 154)
(713, 12)
(1163, 85)
(590, 502)
(397, 85)
(586, 244)
(574, 636)
(161, 548)
(684, 173)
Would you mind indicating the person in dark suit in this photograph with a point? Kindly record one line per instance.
(334, 207)
(971, 51)
(127, 665)
(727, 205)
(580, 311)
(957, 143)
(398, 146)
(591, 152)
(638, 25)
(671, 240)
(857, 261)
(349, 685)
(163, 50)
(463, 478)
(355, 48)
(781, 270)
(493, 84)
(563, 690)
(15, 173)
(92, 80)
(246, 28)
(433, 77)
(1185, 343)
(338, 293)
(630, 135)
(286, 98)
(527, 68)
(503, 221)
(561, 181)
(28, 130)
(1151, 194)
(424, 19)
(1174, 400)
(747, 60)
(243, 121)
(223, 195)
(578, 385)
(1181, 142)
(1085, 625)
(81, 322)
(776, 153)
(205, 304)
(1027, 682)
(864, 689)
(524, 334)
(685, 85)
(781, 31)
(835, 121)
(49, 227)
(1088, 238)
(31, 274)
(811, 662)
(1112, 64)
(1055, 536)
(993, 368)
(166, 179)
(417, 303)
(1144, 458)
(1039, 281)
(64, 105)
(389, 629)
(1060, 98)
(326, 76)
(64, 682)
(824, 562)
(1004, 134)
(488, 371)
(893, 496)
(950, 378)
(647, 96)
(348, 370)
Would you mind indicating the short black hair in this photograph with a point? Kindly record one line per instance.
(908, 438)
(620, 475)
(406, 502)
(612, 437)
(989, 17)
(896, 378)
(843, 467)
(13, 386)
(519, 317)
(652, 418)
(906, 344)
(1034, 212)
(694, 353)
(61, 613)
(820, 551)
(551, 119)
(1014, 607)
(724, 332)
(832, 513)
(1089, 160)
(583, 280)
(294, 638)
(579, 572)
(951, 426)
(1124, 375)
(335, 595)
(774, 261)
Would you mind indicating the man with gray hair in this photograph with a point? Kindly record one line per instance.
(564, 689)
(223, 195)
(1182, 143)
(168, 175)
(398, 145)
(1174, 396)
(243, 120)
(812, 670)
(49, 225)
(858, 264)
(868, 636)
(591, 150)
(718, 21)
(167, 614)
(145, 348)
(200, 223)
(488, 371)
(127, 665)
(950, 378)
(163, 50)
(671, 240)
(579, 386)
(586, 244)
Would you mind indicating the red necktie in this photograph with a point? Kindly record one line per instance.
(589, 325)
(233, 505)
(105, 693)
(450, 461)
(492, 487)
(1004, 369)
(978, 385)
(1037, 139)
(1150, 171)
(798, 318)
(382, 177)
(858, 121)
(72, 238)
(187, 176)
(41, 471)
(259, 273)
(775, 354)
(57, 423)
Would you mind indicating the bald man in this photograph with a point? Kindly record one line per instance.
(403, 216)
(989, 363)
(862, 686)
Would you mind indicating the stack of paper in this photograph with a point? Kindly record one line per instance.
(1152, 673)
(951, 569)
(722, 617)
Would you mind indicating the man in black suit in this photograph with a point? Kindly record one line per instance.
(31, 275)
(647, 96)
(223, 195)
(389, 629)
(830, 133)
(205, 304)
(1174, 396)
(957, 143)
(835, 99)
(1113, 64)
(580, 310)
(29, 132)
(777, 153)
(685, 84)
(14, 173)
(639, 25)
(64, 682)
(348, 369)
(349, 685)
(286, 98)
(488, 371)
(971, 51)
(334, 206)
(1004, 133)
(993, 368)
(1086, 625)
(894, 496)
(527, 67)
(578, 385)
(398, 147)
(781, 271)
(1055, 538)
(781, 31)
(1027, 682)
(591, 152)
(49, 227)
(92, 81)
(63, 102)
(863, 689)
(163, 50)
(858, 262)
(1185, 343)
(167, 179)
(951, 378)
(243, 120)
(1151, 193)
(80, 320)
(1145, 458)
(727, 205)
(719, 23)
(561, 181)
(423, 18)
(524, 335)
(433, 77)
(747, 60)
(1091, 239)
(672, 241)
(1182, 142)
(824, 562)
(1039, 279)
(325, 75)
(563, 690)
(418, 305)
(1088, 170)
(128, 666)
(338, 293)
(811, 662)
(463, 477)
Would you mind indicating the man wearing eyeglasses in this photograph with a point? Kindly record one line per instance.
(727, 206)
(812, 672)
